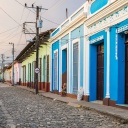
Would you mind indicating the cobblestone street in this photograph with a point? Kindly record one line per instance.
(23, 109)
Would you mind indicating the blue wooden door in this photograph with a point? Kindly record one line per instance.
(126, 73)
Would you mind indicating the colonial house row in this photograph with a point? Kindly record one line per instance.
(25, 64)
(90, 51)
(27, 58)
(8, 73)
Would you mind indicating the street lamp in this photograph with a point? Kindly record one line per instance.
(12, 63)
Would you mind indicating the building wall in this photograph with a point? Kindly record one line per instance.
(7, 75)
(109, 29)
(98, 4)
(17, 73)
(43, 51)
(106, 22)
(117, 67)
(64, 41)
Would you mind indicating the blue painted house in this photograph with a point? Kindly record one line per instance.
(107, 28)
(90, 50)
(67, 53)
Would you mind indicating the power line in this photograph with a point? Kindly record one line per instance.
(28, 15)
(13, 36)
(22, 15)
(7, 45)
(35, 2)
(53, 5)
(12, 19)
(25, 38)
(20, 38)
(10, 34)
(34, 13)
(10, 16)
(8, 30)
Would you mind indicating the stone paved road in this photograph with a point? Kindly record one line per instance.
(3, 119)
(22, 109)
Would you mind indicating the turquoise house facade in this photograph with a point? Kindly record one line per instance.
(67, 54)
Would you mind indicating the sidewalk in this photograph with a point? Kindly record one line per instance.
(120, 114)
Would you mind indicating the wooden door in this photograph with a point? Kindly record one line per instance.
(126, 73)
(100, 71)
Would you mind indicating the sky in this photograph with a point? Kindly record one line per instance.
(13, 14)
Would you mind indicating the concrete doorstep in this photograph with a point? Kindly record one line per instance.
(120, 114)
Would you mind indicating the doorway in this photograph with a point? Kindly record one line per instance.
(30, 74)
(24, 75)
(126, 70)
(64, 66)
(100, 71)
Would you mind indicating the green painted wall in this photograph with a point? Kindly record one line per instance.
(44, 50)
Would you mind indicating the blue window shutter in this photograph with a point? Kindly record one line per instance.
(75, 67)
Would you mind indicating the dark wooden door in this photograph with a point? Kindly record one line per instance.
(100, 71)
(126, 73)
